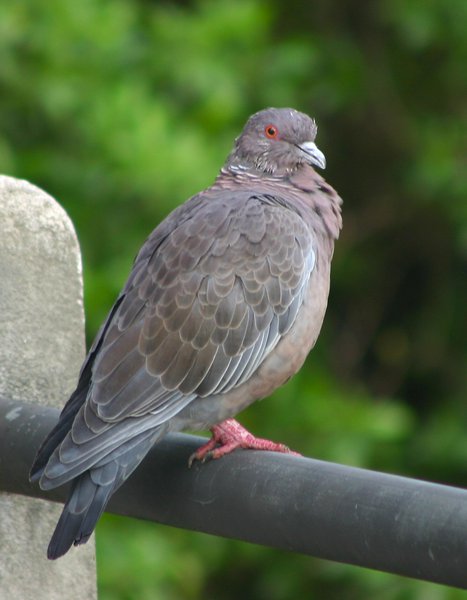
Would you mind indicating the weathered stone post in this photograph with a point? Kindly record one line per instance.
(41, 350)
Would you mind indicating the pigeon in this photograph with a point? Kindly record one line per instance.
(223, 303)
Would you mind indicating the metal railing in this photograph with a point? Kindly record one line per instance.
(345, 514)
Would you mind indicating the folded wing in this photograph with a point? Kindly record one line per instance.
(210, 296)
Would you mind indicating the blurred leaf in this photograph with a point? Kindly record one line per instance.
(122, 110)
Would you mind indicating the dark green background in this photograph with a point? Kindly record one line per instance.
(122, 109)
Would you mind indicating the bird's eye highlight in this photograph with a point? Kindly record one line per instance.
(271, 132)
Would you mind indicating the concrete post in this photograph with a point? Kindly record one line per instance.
(41, 350)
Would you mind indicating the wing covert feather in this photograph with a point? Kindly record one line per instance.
(220, 288)
(229, 277)
(210, 295)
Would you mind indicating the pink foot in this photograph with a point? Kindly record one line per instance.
(230, 435)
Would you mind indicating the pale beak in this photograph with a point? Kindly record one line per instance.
(314, 156)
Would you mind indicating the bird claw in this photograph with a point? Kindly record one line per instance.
(230, 435)
(201, 455)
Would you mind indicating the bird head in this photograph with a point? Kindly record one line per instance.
(276, 141)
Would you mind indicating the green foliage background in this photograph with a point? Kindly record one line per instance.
(122, 109)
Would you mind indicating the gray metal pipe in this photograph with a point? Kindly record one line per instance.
(330, 511)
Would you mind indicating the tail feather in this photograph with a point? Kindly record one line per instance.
(85, 505)
(89, 495)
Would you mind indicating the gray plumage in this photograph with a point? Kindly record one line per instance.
(224, 302)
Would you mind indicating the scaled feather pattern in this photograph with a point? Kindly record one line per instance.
(224, 301)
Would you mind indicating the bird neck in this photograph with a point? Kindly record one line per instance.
(240, 175)
(305, 190)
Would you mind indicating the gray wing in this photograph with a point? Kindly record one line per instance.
(211, 293)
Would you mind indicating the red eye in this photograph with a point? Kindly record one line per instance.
(271, 132)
